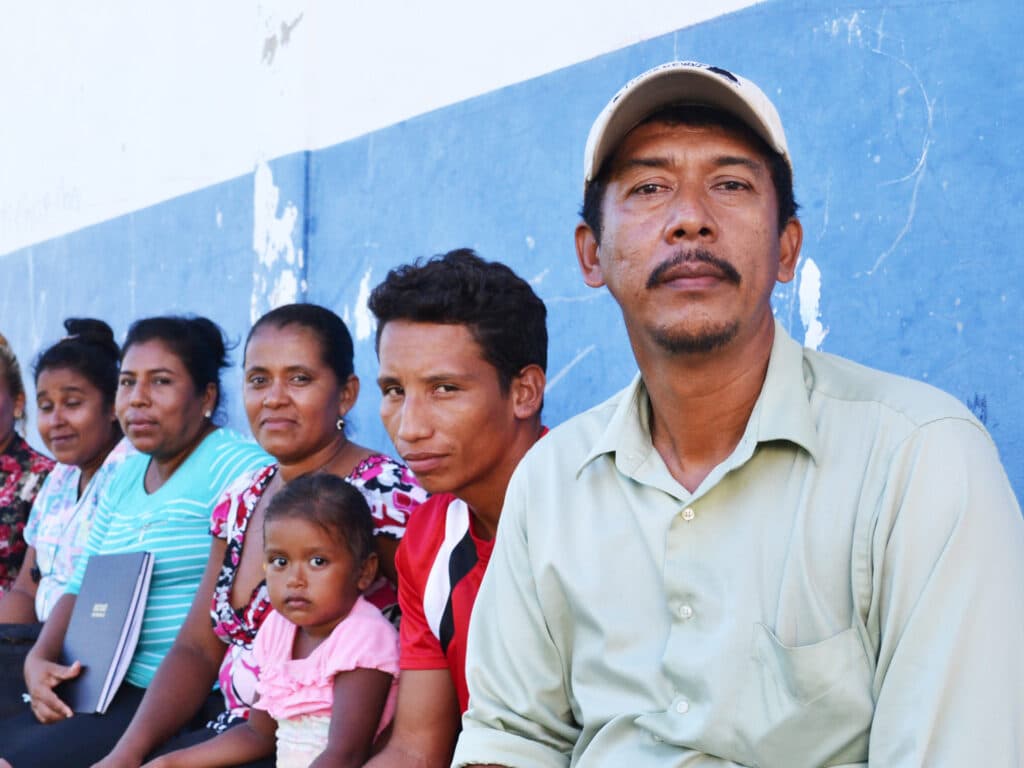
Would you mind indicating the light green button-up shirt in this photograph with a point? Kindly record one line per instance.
(844, 589)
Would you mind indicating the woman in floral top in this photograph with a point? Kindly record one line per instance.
(299, 384)
(22, 470)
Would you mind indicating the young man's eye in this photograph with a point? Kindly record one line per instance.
(446, 388)
(162, 381)
(256, 380)
(391, 390)
(126, 381)
(301, 378)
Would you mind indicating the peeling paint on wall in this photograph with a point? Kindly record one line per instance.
(277, 276)
(810, 305)
(365, 324)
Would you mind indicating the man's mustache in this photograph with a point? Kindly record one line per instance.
(702, 255)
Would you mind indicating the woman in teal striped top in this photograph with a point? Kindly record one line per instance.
(160, 501)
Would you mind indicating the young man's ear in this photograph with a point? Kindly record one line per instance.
(527, 391)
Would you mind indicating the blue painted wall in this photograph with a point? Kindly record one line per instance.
(902, 119)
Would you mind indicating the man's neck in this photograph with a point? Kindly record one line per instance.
(486, 499)
(700, 404)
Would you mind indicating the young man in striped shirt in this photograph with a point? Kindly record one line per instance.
(462, 345)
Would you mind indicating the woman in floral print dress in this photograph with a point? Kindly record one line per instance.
(299, 384)
(22, 469)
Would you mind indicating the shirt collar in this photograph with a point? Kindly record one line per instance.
(782, 411)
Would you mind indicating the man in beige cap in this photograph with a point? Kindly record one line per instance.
(755, 554)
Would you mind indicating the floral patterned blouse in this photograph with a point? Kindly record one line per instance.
(22, 471)
(392, 493)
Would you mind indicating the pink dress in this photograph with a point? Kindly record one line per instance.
(392, 492)
(299, 693)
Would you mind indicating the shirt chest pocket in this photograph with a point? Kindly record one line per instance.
(808, 705)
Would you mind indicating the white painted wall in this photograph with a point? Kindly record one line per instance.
(110, 106)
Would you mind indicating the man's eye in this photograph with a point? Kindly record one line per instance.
(446, 388)
(391, 391)
(301, 378)
(256, 381)
(124, 381)
(648, 189)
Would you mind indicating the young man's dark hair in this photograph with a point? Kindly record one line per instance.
(701, 116)
(505, 316)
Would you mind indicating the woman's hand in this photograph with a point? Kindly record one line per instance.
(41, 677)
(115, 760)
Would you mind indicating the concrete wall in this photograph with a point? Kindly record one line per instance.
(255, 159)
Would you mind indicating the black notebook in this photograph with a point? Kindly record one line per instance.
(104, 627)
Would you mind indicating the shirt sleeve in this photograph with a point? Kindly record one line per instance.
(41, 501)
(109, 501)
(519, 710)
(947, 602)
(420, 649)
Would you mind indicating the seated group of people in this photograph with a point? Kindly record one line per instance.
(288, 645)
(755, 554)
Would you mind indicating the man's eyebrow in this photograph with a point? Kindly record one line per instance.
(645, 162)
(727, 160)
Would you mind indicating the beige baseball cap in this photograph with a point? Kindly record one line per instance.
(680, 82)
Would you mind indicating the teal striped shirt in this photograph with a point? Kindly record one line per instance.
(173, 523)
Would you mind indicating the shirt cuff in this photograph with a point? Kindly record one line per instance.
(485, 746)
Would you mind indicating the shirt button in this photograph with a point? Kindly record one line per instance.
(682, 706)
(688, 514)
(685, 612)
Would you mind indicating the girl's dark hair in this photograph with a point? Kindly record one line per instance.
(333, 504)
(197, 341)
(88, 349)
(335, 341)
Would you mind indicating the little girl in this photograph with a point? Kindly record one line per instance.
(328, 658)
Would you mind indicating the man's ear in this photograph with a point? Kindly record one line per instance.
(527, 392)
(790, 240)
(587, 252)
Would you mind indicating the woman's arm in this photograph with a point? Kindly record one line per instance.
(241, 744)
(42, 672)
(359, 699)
(18, 606)
(183, 680)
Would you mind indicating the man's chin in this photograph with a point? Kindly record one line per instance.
(700, 341)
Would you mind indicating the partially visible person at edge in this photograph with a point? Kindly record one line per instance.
(76, 381)
(462, 345)
(756, 553)
(159, 501)
(299, 384)
(22, 469)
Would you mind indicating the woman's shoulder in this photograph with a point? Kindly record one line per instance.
(380, 472)
(20, 458)
(225, 454)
